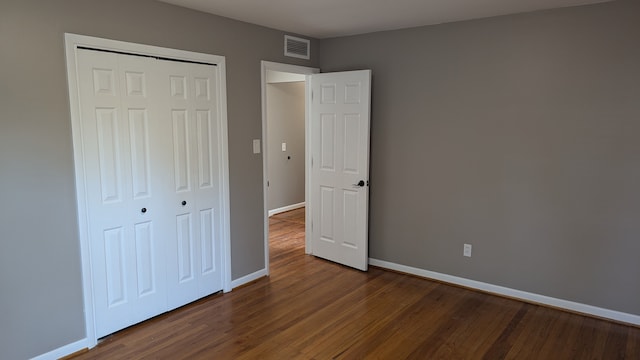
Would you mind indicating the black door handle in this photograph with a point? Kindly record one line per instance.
(184, 203)
(143, 210)
(360, 183)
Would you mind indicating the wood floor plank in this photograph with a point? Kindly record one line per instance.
(633, 344)
(312, 309)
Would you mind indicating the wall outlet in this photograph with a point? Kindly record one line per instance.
(467, 250)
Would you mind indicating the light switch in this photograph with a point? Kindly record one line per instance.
(284, 146)
(256, 146)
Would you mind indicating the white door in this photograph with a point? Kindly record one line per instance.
(194, 254)
(127, 217)
(153, 160)
(339, 145)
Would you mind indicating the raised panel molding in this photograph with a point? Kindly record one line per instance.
(115, 267)
(109, 154)
(139, 134)
(181, 154)
(145, 266)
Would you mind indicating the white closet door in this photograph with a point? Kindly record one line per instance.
(208, 176)
(194, 253)
(152, 158)
(127, 211)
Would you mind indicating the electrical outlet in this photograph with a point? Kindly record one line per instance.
(467, 250)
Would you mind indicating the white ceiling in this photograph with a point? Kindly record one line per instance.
(332, 18)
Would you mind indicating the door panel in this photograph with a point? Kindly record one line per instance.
(205, 153)
(140, 159)
(327, 211)
(182, 262)
(185, 248)
(350, 211)
(328, 141)
(119, 128)
(181, 144)
(351, 143)
(116, 272)
(208, 180)
(339, 146)
(192, 103)
(109, 142)
(146, 262)
(207, 241)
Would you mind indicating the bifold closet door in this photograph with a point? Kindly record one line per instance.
(152, 163)
(122, 134)
(194, 253)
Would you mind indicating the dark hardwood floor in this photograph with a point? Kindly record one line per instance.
(313, 309)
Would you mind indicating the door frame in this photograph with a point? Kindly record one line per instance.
(72, 42)
(295, 69)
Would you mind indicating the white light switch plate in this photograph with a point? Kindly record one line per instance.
(256, 146)
(467, 250)
(284, 146)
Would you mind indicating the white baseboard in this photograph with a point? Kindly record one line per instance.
(64, 350)
(512, 293)
(248, 278)
(286, 208)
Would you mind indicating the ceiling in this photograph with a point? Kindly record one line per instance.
(333, 18)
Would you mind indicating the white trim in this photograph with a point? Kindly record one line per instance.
(512, 293)
(286, 208)
(266, 66)
(64, 350)
(249, 278)
(72, 42)
(225, 200)
(308, 244)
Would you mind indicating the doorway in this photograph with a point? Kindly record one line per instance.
(276, 156)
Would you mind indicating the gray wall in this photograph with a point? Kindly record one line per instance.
(285, 123)
(40, 282)
(516, 134)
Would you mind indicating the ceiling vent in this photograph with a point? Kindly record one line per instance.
(296, 47)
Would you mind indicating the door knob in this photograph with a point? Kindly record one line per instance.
(360, 183)
(184, 203)
(143, 210)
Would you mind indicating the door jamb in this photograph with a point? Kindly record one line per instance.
(296, 69)
(72, 42)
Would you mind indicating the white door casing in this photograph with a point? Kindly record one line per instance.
(339, 193)
(123, 149)
(294, 69)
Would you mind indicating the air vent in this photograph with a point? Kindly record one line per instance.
(296, 47)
